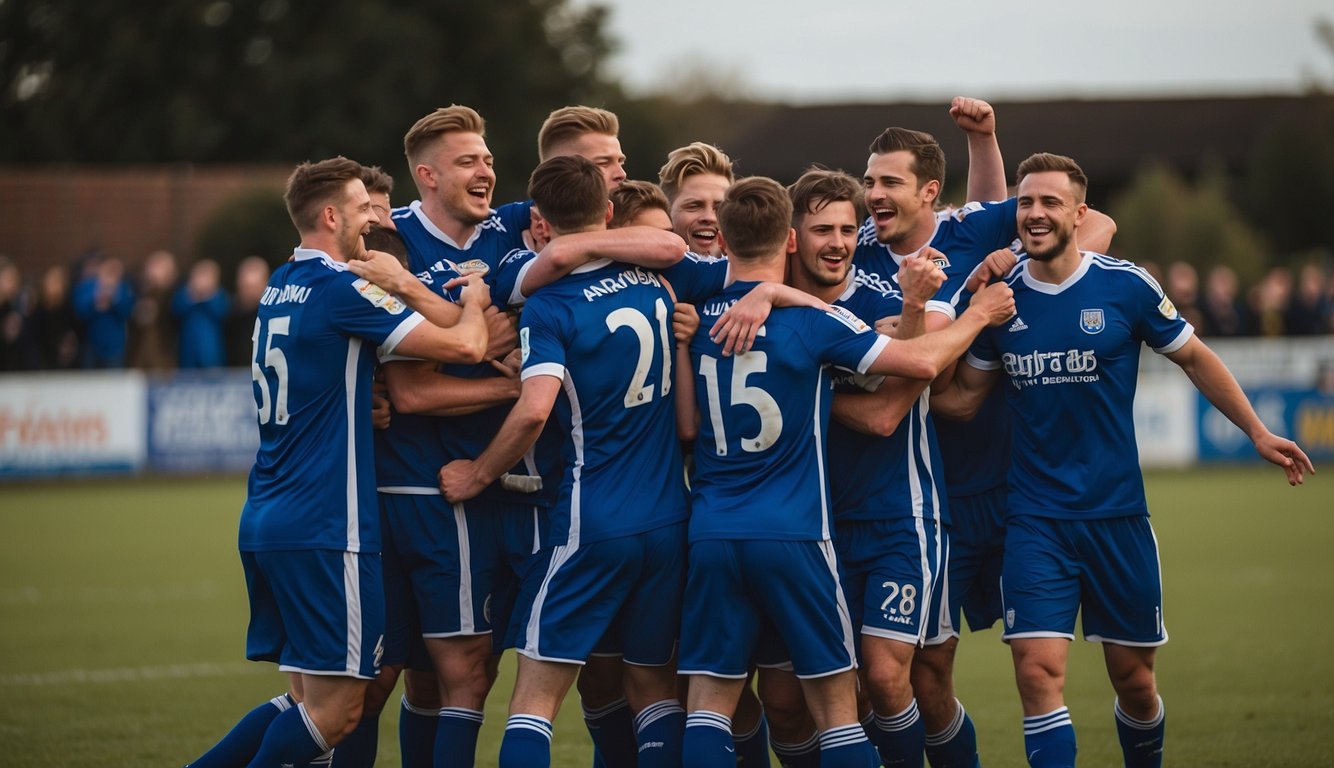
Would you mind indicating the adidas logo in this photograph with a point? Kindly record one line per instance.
(1018, 325)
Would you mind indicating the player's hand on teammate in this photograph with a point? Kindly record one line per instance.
(920, 276)
(502, 333)
(380, 409)
(995, 302)
(382, 269)
(996, 265)
(736, 329)
(685, 322)
(509, 369)
(1286, 454)
(475, 290)
(458, 481)
(973, 115)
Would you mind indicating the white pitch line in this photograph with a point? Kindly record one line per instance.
(135, 674)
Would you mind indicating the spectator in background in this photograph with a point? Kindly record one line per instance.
(1183, 288)
(11, 316)
(1223, 312)
(200, 306)
(104, 301)
(50, 335)
(1269, 301)
(1309, 312)
(252, 276)
(153, 329)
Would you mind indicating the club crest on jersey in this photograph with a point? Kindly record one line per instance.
(1091, 321)
(941, 261)
(379, 297)
(1009, 619)
(1167, 309)
(473, 266)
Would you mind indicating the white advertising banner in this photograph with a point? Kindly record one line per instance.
(1165, 408)
(72, 422)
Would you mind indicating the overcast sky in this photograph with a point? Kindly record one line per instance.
(875, 50)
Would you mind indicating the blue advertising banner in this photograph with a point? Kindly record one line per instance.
(202, 421)
(1305, 415)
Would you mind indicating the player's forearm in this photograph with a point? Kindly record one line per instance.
(642, 246)
(986, 168)
(926, 356)
(429, 393)
(687, 413)
(956, 403)
(1213, 379)
(516, 436)
(430, 305)
(879, 412)
(912, 322)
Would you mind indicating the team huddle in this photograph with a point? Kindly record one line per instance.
(740, 470)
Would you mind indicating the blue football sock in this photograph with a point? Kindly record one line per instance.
(456, 737)
(242, 741)
(612, 729)
(803, 755)
(847, 747)
(527, 742)
(416, 735)
(752, 749)
(1141, 740)
(956, 746)
(708, 741)
(661, 728)
(900, 738)
(291, 739)
(358, 749)
(1049, 740)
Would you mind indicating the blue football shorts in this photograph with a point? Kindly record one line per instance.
(977, 552)
(316, 611)
(1108, 567)
(892, 578)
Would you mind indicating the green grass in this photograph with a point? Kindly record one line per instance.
(123, 611)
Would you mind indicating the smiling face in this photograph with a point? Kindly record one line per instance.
(826, 240)
(1048, 214)
(695, 212)
(353, 218)
(603, 150)
(896, 199)
(461, 176)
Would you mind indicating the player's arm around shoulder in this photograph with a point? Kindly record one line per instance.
(926, 356)
(464, 479)
(464, 341)
(1213, 379)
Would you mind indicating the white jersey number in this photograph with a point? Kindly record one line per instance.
(640, 390)
(771, 419)
(271, 407)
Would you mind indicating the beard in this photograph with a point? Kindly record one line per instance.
(1060, 240)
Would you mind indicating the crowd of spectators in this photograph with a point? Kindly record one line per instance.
(1281, 303)
(95, 314)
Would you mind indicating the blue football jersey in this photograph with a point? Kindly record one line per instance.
(764, 417)
(884, 478)
(315, 346)
(1070, 358)
(410, 452)
(490, 242)
(975, 452)
(605, 332)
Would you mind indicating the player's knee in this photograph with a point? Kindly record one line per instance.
(888, 686)
(1036, 675)
(421, 689)
(600, 684)
(1136, 688)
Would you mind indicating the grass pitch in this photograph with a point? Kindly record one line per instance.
(123, 611)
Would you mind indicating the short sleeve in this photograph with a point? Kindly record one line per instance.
(542, 331)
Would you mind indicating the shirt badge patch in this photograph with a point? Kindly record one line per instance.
(1091, 321)
(1167, 309)
(473, 266)
(523, 346)
(942, 261)
(379, 297)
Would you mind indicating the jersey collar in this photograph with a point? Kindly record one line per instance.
(1054, 289)
(416, 209)
(308, 254)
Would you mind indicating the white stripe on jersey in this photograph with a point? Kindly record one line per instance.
(844, 615)
(576, 471)
(1107, 262)
(821, 384)
(350, 392)
(352, 588)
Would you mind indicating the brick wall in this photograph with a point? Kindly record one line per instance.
(50, 215)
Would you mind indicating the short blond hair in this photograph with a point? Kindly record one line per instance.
(569, 123)
(451, 119)
(691, 160)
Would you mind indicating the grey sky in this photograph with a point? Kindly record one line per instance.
(872, 50)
